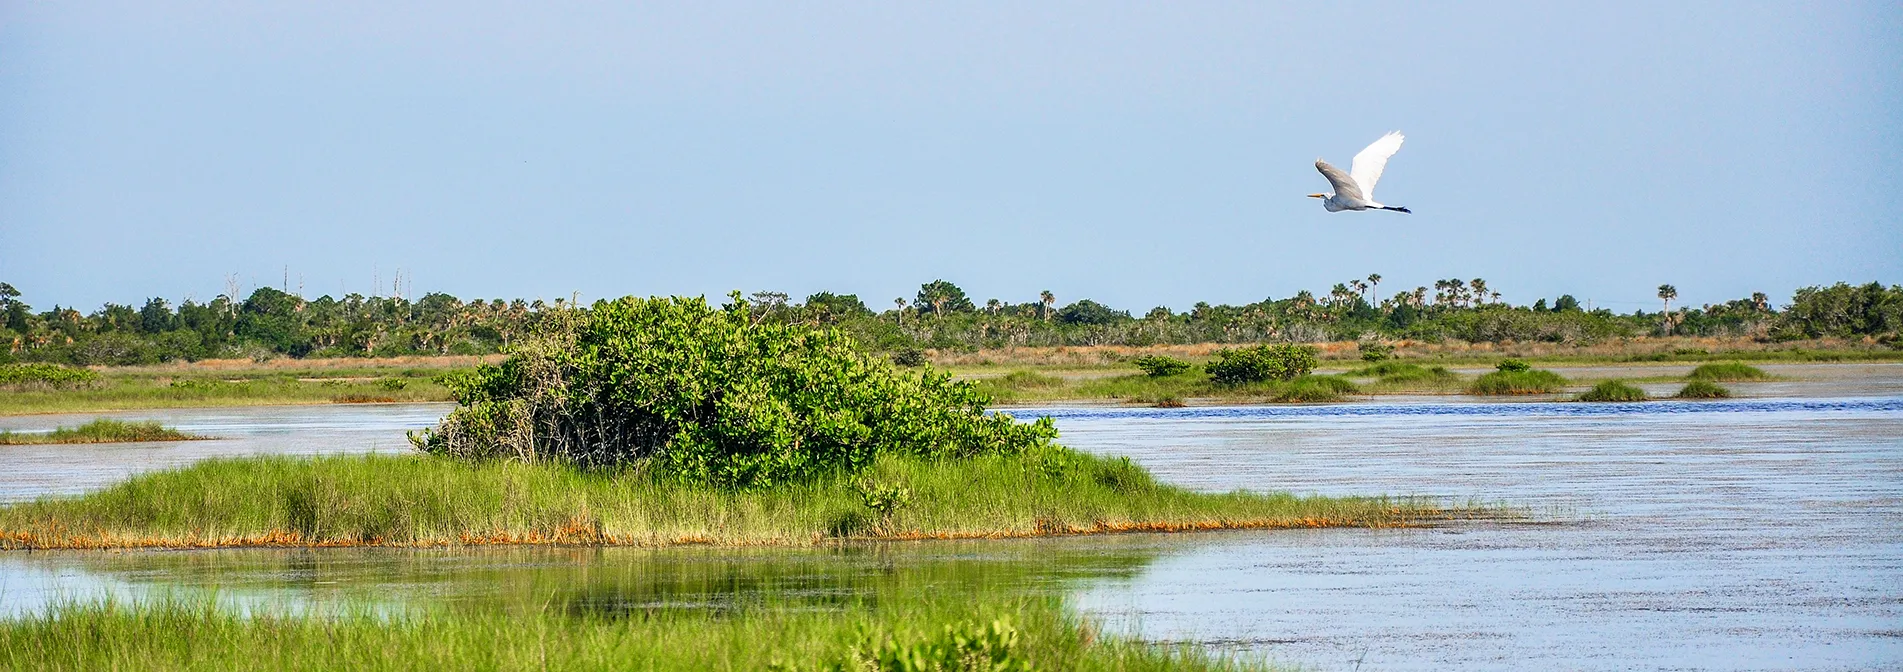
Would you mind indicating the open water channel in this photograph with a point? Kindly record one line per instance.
(1760, 533)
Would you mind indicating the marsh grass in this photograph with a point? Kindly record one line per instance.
(1535, 381)
(1727, 372)
(421, 500)
(1613, 390)
(949, 630)
(103, 430)
(1402, 377)
(144, 388)
(1703, 389)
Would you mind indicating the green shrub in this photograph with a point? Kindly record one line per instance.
(1537, 381)
(1398, 372)
(1161, 365)
(1513, 366)
(707, 395)
(1613, 390)
(1372, 351)
(1727, 372)
(1703, 389)
(45, 374)
(1262, 362)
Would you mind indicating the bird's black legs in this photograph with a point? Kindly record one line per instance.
(1396, 208)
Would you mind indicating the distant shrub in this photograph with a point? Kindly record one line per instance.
(52, 375)
(1703, 389)
(1262, 362)
(1534, 381)
(1161, 365)
(1372, 351)
(704, 395)
(1613, 390)
(1513, 366)
(392, 384)
(1727, 372)
(909, 357)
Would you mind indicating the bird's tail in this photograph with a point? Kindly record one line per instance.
(1396, 208)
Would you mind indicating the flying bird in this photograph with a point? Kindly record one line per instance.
(1354, 190)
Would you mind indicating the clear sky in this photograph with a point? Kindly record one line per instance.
(1136, 154)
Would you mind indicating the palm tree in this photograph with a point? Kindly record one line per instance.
(1049, 300)
(1480, 290)
(1374, 280)
(993, 306)
(1666, 294)
(900, 302)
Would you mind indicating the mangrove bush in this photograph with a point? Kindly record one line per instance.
(704, 394)
(1263, 362)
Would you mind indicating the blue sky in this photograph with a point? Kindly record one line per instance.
(1138, 155)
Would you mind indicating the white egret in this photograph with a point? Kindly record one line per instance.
(1354, 190)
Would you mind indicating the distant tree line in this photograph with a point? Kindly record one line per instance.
(275, 323)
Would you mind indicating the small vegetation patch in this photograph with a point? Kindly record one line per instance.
(1159, 366)
(1727, 372)
(1374, 351)
(15, 376)
(1261, 363)
(1019, 381)
(1703, 389)
(1613, 390)
(1398, 372)
(102, 430)
(1515, 377)
(1315, 389)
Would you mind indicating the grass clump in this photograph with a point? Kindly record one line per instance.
(1613, 390)
(430, 500)
(714, 396)
(1703, 389)
(1516, 377)
(1727, 372)
(1315, 389)
(103, 430)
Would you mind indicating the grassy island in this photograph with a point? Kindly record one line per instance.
(433, 501)
(102, 430)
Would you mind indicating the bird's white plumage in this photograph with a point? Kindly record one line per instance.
(1366, 170)
(1354, 190)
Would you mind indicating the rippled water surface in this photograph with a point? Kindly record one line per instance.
(1750, 534)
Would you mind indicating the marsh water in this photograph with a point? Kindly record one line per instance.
(1762, 533)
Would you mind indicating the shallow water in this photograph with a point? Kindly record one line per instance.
(1745, 534)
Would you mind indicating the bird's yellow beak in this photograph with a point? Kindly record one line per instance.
(1318, 195)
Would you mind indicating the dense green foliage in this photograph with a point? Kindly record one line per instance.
(1513, 366)
(103, 430)
(1613, 390)
(1161, 365)
(1703, 389)
(1727, 372)
(1262, 362)
(1402, 372)
(1316, 389)
(50, 375)
(273, 322)
(715, 396)
(1505, 381)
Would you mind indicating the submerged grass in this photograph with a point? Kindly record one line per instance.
(1534, 381)
(420, 500)
(1727, 372)
(1613, 390)
(953, 630)
(1703, 389)
(103, 430)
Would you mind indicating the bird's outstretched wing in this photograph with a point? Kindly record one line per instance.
(1344, 185)
(1371, 161)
